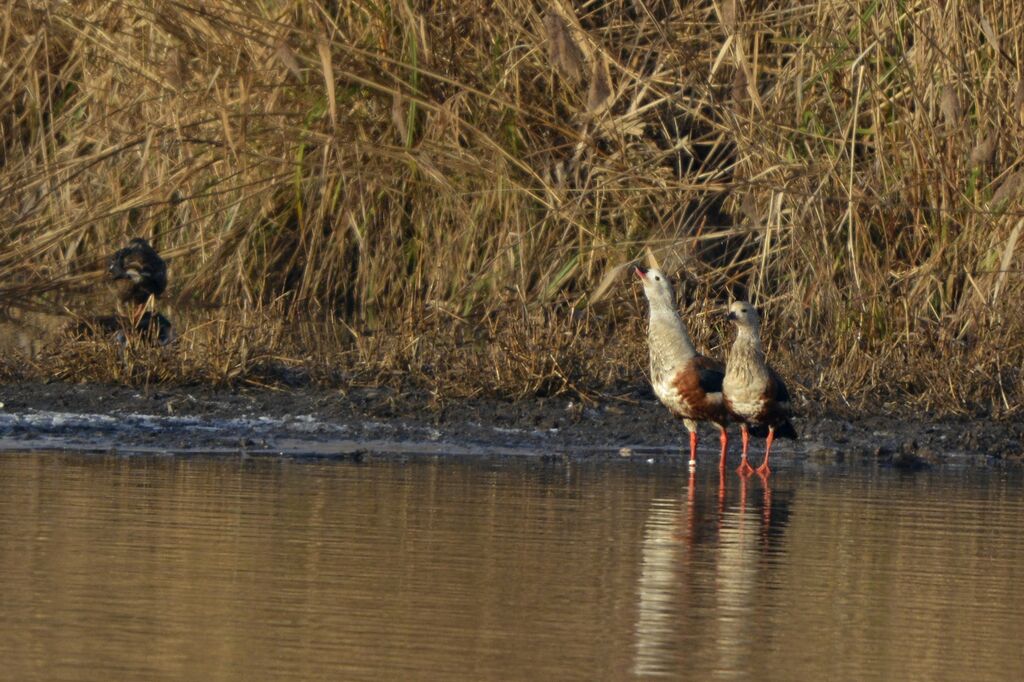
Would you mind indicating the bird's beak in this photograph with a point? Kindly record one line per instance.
(731, 316)
(641, 272)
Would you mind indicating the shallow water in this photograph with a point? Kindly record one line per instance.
(237, 569)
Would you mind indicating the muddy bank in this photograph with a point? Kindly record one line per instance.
(369, 422)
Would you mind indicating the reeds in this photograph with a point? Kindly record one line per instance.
(444, 185)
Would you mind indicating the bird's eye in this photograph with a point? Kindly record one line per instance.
(657, 279)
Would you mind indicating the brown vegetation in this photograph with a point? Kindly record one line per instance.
(446, 193)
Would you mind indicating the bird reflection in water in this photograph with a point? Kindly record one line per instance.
(703, 564)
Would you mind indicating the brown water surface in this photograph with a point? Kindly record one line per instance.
(245, 569)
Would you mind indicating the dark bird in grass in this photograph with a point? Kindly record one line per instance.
(754, 393)
(686, 382)
(151, 328)
(138, 273)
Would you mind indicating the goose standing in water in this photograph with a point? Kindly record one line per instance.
(687, 383)
(754, 393)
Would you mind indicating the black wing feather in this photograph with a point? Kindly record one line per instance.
(710, 380)
(781, 392)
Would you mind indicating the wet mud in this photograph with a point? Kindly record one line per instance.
(379, 422)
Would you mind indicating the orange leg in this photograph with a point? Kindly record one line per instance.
(723, 438)
(744, 468)
(763, 470)
(693, 449)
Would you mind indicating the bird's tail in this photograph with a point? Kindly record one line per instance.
(759, 431)
(783, 430)
(786, 430)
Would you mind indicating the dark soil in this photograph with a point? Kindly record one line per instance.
(322, 422)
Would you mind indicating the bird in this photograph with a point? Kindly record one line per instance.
(153, 327)
(138, 273)
(754, 393)
(150, 327)
(686, 382)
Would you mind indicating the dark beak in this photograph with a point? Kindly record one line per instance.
(731, 316)
(641, 271)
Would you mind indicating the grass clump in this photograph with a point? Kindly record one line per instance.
(445, 194)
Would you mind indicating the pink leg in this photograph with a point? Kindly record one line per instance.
(744, 468)
(693, 449)
(764, 470)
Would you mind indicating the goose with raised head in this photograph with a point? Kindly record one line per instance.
(686, 382)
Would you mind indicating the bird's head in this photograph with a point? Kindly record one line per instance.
(657, 287)
(115, 267)
(744, 315)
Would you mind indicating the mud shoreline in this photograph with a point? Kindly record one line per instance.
(382, 423)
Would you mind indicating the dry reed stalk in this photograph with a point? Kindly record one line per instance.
(416, 173)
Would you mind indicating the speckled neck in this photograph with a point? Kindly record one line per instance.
(746, 358)
(667, 339)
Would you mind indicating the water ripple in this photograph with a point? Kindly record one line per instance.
(230, 568)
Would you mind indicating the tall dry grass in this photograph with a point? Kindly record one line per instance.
(455, 187)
